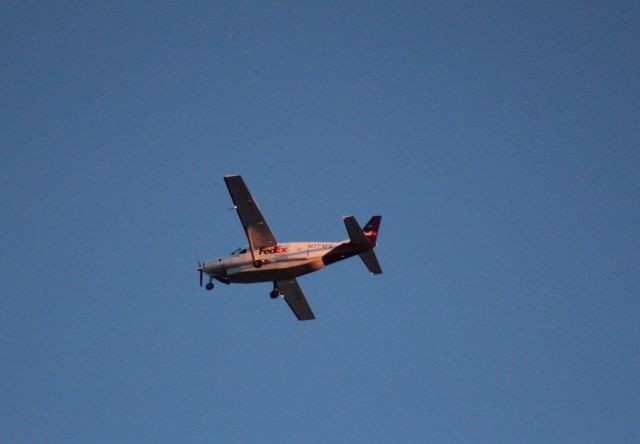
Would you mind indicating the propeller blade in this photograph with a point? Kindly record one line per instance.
(200, 267)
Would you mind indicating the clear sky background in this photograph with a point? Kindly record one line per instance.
(499, 140)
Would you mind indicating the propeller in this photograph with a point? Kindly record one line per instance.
(200, 269)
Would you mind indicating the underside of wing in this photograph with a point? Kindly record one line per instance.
(255, 226)
(295, 299)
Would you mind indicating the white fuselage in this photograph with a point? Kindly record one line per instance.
(283, 261)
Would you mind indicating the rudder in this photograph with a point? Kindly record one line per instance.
(370, 230)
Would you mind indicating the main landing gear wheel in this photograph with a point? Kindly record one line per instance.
(209, 286)
(257, 263)
(274, 293)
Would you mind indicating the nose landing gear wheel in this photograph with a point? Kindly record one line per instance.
(257, 263)
(209, 286)
(274, 293)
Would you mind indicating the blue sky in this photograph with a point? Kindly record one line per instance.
(498, 140)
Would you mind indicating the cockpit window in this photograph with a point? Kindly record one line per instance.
(238, 251)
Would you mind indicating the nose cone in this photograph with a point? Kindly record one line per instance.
(212, 267)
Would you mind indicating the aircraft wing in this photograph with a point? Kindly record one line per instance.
(258, 232)
(295, 299)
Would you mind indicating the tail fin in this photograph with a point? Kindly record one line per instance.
(371, 229)
(366, 236)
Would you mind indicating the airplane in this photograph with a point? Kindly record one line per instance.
(267, 260)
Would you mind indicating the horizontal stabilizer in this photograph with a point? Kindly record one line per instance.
(355, 232)
(366, 237)
(371, 261)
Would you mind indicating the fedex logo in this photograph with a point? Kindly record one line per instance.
(273, 250)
